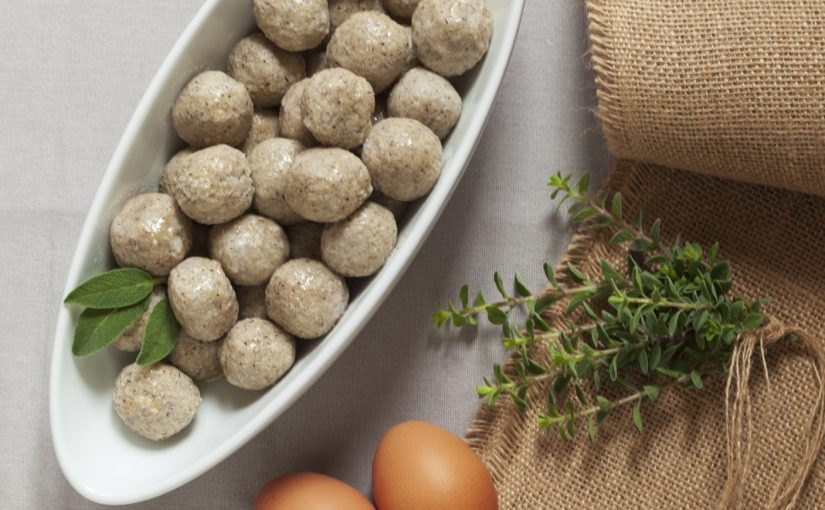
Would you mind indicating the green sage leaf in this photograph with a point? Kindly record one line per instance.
(161, 334)
(115, 289)
(96, 329)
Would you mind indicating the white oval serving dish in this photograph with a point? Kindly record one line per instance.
(103, 460)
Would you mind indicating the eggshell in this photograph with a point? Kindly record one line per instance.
(310, 491)
(420, 466)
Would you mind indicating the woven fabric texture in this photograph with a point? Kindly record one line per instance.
(732, 88)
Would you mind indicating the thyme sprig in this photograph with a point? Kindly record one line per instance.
(666, 317)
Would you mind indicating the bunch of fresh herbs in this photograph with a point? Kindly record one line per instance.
(668, 317)
(114, 301)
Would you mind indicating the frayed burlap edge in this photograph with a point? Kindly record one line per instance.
(610, 107)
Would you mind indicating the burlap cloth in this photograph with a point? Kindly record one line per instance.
(732, 89)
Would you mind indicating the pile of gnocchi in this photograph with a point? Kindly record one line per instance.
(301, 157)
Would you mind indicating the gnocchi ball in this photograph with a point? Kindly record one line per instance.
(294, 25)
(213, 109)
(249, 248)
(292, 116)
(428, 98)
(341, 10)
(271, 162)
(155, 401)
(305, 240)
(178, 159)
(337, 107)
(264, 127)
(198, 360)
(151, 233)
(403, 157)
(202, 299)
(265, 70)
(213, 185)
(396, 207)
(251, 302)
(359, 245)
(305, 298)
(412, 58)
(327, 185)
(256, 354)
(132, 339)
(316, 62)
(451, 36)
(401, 8)
(372, 45)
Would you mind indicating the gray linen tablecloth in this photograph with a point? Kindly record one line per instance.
(72, 73)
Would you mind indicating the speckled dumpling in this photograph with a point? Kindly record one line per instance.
(337, 106)
(250, 248)
(155, 401)
(256, 353)
(213, 109)
(402, 8)
(252, 301)
(264, 127)
(178, 159)
(292, 116)
(212, 185)
(151, 233)
(327, 185)
(305, 240)
(198, 360)
(132, 338)
(451, 36)
(412, 59)
(265, 70)
(359, 245)
(428, 98)
(305, 298)
(271, 162)
(294, 25)
(403, 157)
(372, 45)
(341, 10)
(202, 299)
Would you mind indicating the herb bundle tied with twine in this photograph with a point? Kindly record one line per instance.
(667, 316)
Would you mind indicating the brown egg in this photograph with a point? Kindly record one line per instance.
(419, 466)
(310, 491)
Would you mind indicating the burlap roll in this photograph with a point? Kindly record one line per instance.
(732, 88)
(726, 88)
